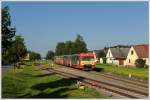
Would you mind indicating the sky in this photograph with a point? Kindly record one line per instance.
(44, 24)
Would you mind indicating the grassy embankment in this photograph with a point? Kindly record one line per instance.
(136, 72)
(31, 83)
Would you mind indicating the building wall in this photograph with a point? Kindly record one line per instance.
(147, 61)
(101, 60)
(116, 62)
(131, 57)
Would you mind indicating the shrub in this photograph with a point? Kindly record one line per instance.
(104, 60)
(140, 63)
(146, 66)
(36, 63)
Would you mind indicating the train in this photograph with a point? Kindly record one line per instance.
(83, 61)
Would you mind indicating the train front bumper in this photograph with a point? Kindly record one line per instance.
(88, 67)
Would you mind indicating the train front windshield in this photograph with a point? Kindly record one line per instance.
(87, 58)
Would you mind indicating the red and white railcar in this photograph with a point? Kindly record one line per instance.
(81, 61)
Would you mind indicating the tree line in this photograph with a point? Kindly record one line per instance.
(34, 56)
(69, 47)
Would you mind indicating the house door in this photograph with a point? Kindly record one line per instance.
(121, 62)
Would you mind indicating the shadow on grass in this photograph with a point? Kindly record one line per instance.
(55, 84)
(48, 74)
(60, 93)
(60, 87)
(26, 75)
(98, 69)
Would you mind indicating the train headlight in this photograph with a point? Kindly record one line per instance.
(82, 63)
(92, 63)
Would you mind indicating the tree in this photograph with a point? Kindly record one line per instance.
(38, 56)
(121, 46)
(50, 55)
(34, 56)
(80, 45)
(101, 54)
(69, 47)
(139, 63)
(60, 48)
(17, 51)
(7, 33)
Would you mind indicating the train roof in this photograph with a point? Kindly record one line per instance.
(81, 54)
(86, 54)
(66, 55)
(75, 54)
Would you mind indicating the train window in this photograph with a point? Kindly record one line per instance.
(88, 58)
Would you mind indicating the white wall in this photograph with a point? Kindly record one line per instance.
(116, 62)
(131, 57)
(147, 61)
(101, 60)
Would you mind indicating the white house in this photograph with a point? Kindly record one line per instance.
(117, 55)
(137, 52)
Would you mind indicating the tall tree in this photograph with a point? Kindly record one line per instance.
(50, 55)
(101, 54)
(80, 45)
(17, 51)
(69, 47)
(60, 48)
(7, 33)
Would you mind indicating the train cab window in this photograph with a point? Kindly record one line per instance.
(87, 58)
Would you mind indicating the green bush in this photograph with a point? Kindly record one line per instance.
(140, 63)
(146, 66)
(104, 60)
(36, 63)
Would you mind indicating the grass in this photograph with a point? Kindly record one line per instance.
(136, 72)
(31, 83)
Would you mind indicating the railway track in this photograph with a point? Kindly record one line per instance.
(116, 77)
(118, 89)
(139, 83)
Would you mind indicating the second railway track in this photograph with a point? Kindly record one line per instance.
(116, 77)
(123, 80)
(118, 89)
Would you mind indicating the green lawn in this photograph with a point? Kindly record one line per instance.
(31, 83)
(136, 72)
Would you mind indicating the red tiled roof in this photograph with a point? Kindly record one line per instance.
(142, 50)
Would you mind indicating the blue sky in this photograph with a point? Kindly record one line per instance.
(44, 24)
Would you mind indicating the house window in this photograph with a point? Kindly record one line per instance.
(132, 52)
(109, 54)
(129, 60)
